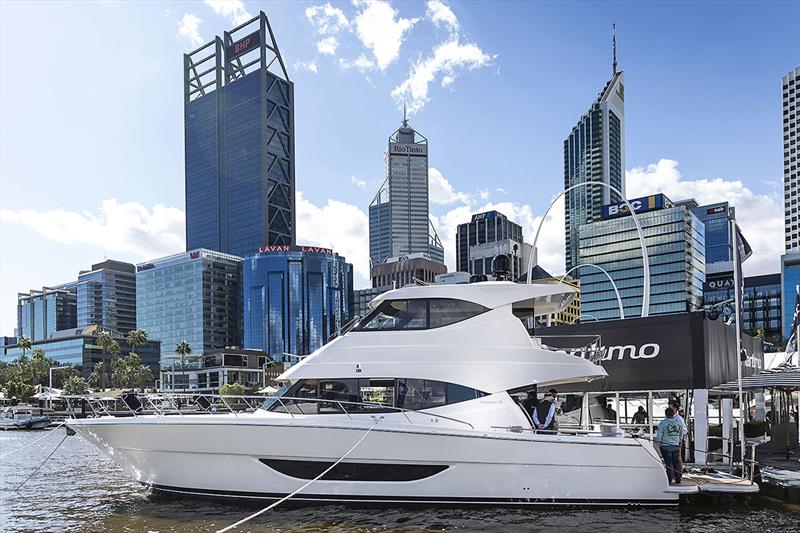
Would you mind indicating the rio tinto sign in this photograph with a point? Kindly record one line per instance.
(408, 149)
(288, 248)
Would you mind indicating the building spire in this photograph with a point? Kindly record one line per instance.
(405, 117)
(614, 48)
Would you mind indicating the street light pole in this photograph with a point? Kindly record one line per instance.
(51, 373)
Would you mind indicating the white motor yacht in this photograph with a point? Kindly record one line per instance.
(430, 373)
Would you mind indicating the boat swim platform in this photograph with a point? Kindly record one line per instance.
(714, 482)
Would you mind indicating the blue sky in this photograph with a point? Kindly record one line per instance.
(91, 107)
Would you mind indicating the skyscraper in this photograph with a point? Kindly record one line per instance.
(398, 215)
(239, 139)
(594, 152)
(790, 90)
(107, 296)
(485, 236)
(192, 296)
(43, 312)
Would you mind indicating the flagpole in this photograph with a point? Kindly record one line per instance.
(737, 267)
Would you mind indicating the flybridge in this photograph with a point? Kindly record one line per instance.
(290, 248)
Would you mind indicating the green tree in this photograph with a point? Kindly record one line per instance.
(184, 349)
(111, 349)
(40, 367)
(19, 390)
(129, 372)
(98, 378)
(136, 338)
(24, 343)
(233, 389)
(75, 385)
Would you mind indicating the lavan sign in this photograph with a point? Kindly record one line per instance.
(408, 149)
(666, 352)
(287, 248)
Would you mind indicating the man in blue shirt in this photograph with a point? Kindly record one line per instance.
(544, 414)
(669, 436)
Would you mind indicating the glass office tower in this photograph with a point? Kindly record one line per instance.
(398, 214)
(487, 228)
(295, 298)
(42, 312)
(790, 281)
(107, 296)
(675, 241)
(195, 297)
(594, 152)
(239, 143)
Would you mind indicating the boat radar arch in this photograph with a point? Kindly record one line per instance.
(531, 299)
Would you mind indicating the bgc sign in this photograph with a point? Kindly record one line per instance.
(639, 205)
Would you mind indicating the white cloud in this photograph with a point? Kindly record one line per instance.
(760, 216)
(337, 225)
(440, 13)
(381, 30)
(327, 46)
(326, 19)
(188, 28)
(361, 184)
(362, 63)
(234, 10)
(441, 191)
(129, 227)
(448, 60)
(310, 66)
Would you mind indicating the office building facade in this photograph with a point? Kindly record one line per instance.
(486, 236)
(790, 92)
(193, 296)
(398, 214)
(209, 372)
(675, 240)
(790, 283)
(295, 298)
(396, 272)
(78, 348)
(239, 143)
(42, 312)
(594, 151)
(106, 296)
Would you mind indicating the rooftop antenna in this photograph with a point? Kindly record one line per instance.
(614, 46)
(405, 118)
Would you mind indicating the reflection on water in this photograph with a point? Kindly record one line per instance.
(79, 490)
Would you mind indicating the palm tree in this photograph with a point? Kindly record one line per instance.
(136, 337)
(110, 347)
(184, 349)
(40, 366)
(24, 343)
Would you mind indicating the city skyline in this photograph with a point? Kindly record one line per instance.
(115, 185)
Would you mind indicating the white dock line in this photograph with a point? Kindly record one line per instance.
(273, 505)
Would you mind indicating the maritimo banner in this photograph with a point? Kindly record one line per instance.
(678, 351)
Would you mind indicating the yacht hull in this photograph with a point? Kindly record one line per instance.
(256, 457)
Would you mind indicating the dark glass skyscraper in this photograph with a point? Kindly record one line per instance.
(295, 298)
(594, 152)
(107, 296)
(239, 142)
(42, 312)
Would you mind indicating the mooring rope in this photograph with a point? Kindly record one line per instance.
(12, 452)
(43, 462)
(273, 505)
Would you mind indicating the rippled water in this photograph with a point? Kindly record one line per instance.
(80, 490)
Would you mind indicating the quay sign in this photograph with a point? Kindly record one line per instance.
(720, 284)
(244, 45)
(408, 149)
(639, 205)
(277, 248)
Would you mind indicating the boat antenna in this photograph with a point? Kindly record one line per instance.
(614, 49)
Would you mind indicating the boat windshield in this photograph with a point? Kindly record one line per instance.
(367, 395)
(422, 313)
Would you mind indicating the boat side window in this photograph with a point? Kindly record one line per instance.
(417, 394)
(306, 388)
(419, 314)
(340, 390)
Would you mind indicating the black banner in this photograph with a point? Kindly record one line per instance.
(676, 351)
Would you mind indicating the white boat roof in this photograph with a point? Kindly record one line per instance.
(538, 298)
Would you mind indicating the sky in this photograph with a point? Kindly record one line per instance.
(91, 116)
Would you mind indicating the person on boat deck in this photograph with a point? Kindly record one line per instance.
(612, 414)
(669, 436)
(544, 415)
(530, 402)
(640, 416)
(676, 408)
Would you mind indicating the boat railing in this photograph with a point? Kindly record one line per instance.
(589, 347)
(185, 404)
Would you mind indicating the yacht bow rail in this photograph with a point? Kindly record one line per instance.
(589, 347)
(187, 404)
